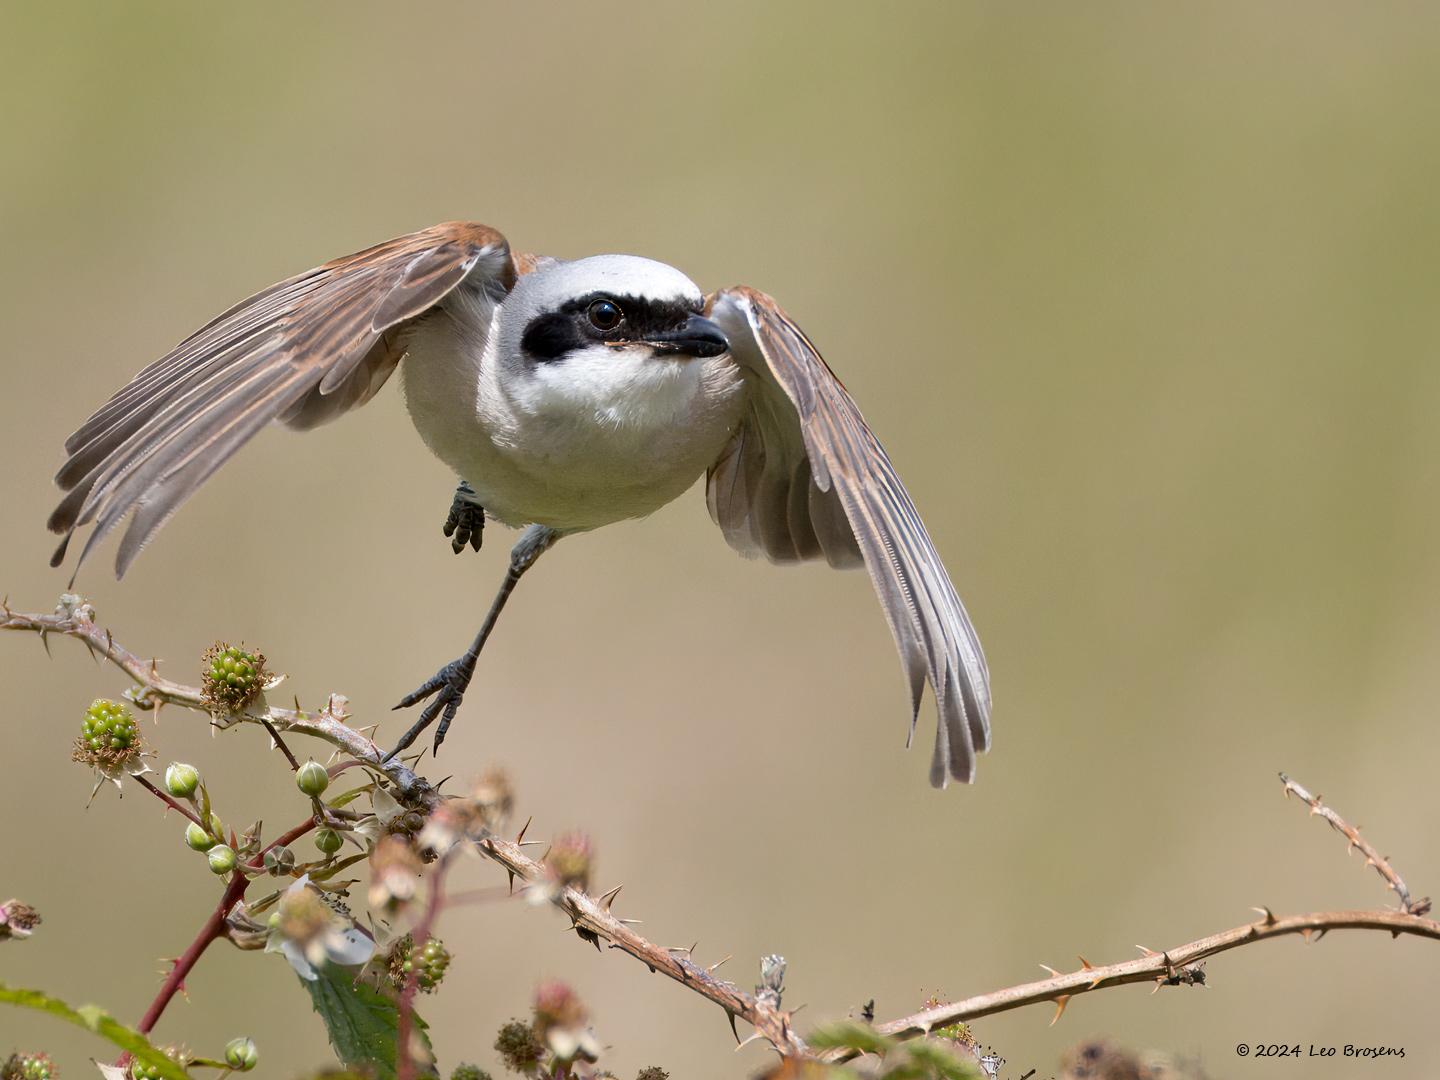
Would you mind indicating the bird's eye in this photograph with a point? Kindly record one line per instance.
(605, 315)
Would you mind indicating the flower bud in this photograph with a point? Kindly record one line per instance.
(328, 840)
(222, 859)
(181, 780)
(198, 839)
(240, 1054)
(312, 779)
(279, 861)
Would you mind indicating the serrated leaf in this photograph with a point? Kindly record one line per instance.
(848, 1035)
(95, 1019)
(362, 1023)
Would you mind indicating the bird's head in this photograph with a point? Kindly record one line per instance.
(604, 329)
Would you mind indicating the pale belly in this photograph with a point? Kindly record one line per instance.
(568, 468)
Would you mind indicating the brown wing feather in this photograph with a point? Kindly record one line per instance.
(302, 351)
(805, 476)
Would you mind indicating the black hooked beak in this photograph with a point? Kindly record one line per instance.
(698, 337)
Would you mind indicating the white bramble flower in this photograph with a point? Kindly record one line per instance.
(309, 933)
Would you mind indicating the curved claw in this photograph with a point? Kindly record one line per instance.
(448, 685)
(465, 524)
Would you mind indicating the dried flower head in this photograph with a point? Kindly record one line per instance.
(17, 919)
(231, 676)
(518, 1047)
(571, 860)
(561, 1022)
(394, 873)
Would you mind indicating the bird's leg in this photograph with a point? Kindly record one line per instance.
(466, 521)
(449, 683)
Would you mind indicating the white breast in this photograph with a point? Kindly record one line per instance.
(603, 435)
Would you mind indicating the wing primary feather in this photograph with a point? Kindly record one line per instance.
(855, 509)
(321, 334)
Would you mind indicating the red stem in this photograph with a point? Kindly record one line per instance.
(405, 1012)
(168, 801)
(213, 928)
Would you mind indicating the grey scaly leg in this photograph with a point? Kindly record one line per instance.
(450, 682)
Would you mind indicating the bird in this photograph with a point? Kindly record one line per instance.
(565, 395)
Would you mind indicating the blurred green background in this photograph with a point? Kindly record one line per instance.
(1142, 300)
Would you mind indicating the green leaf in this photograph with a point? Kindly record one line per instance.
(94, 1019)
(362, 1023)
(941, 1063)
(848, 1035)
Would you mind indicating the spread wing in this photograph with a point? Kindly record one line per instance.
(302, 351)
(805, 478)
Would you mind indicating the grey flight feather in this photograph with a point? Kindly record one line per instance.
(804, 477)
(301, 351)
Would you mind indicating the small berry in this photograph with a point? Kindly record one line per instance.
(428, 964)
(465, 1071)
(312, 779)
(222, 859)
(328, 840)
(241, 1054)
(198, 839)
(181, 780)
(231, 676)
(29, 1067)
(141, 1071)
(279, 861)
(108, 736)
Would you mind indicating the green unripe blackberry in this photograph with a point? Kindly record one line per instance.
(108, 736)
(328, 840)
(240, 1054)
(312, 779)
(181, 780)
(231, 676)
(222, 859)
(428, 963)
(29, 1067)
(469, 1072)
(197, 839)
(108, 725)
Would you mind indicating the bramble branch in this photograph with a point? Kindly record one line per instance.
(1185, 963)
(1372, 857)
(1172, 965)
(591, 917)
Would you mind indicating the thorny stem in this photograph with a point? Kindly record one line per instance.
(213, 928)
(1153, 967)
(168, 801)
(590, 916)
(1351, 833)
(405, 1010)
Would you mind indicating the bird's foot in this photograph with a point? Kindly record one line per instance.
(466, 521)
(448, 685)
